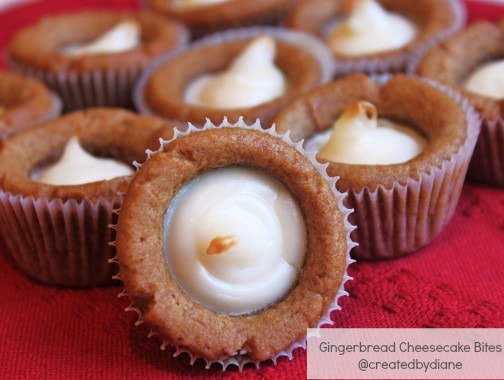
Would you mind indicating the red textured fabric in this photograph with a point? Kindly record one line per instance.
(54, 333)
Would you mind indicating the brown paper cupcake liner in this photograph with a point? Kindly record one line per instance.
(241, 359)
(403, 61)
(50, 240)
(400, 220)
(487, 162)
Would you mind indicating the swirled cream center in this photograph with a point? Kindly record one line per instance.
(76, 167)
(235, 239)
(358, 137)
(251, 79)
(487, 80)
(370, 29)
(124, 36)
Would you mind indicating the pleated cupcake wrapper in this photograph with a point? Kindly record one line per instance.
(311, 44)
(403, 61)
(400, 220)
(59, 242)
(241, 359)
(100, 88)
(487, 163)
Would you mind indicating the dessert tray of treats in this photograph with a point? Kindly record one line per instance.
(187, 186)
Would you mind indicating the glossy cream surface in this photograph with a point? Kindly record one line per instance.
(370, 29)
(487, 80)
(359, 137)
(251, 79)
(235, 240)
(76, 166)
(122, 37)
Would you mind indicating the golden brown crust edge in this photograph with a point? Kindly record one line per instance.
(108, 132)
(37, 45)
(204, 20)
(180, 320)
(431, 17)
(403, 99)
(25, 100)
(164, 89)
(454, 59)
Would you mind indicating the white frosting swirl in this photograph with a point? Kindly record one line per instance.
(251, 79)
(357, 138)
(235, 239)
(124, 36)
(487, 80)
(76, 167)
(370, 29)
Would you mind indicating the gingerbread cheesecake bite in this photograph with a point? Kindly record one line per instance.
(24, 102)
(402, 162)
(472, 62)
(59, 187)
(231, 243)
(377, 36)
(203, 17)
(250, 73)
(93, 58)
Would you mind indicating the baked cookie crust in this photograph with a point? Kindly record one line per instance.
(165, 306)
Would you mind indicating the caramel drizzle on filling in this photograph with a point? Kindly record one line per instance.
(221, 244)
(363, 110)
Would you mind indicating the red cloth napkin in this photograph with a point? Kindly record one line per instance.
(54, 333)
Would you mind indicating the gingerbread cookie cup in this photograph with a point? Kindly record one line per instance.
(59, 234)
(24, 102)
(435, 20)
(399, 208)
(451, 63)
(305, 62)
(91, 79)
(274, 329)
(210, 18)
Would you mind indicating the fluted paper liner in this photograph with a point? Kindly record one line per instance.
(402, 219)
(60, 242)
(487, 162)
(112, 88)
(241, 359)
